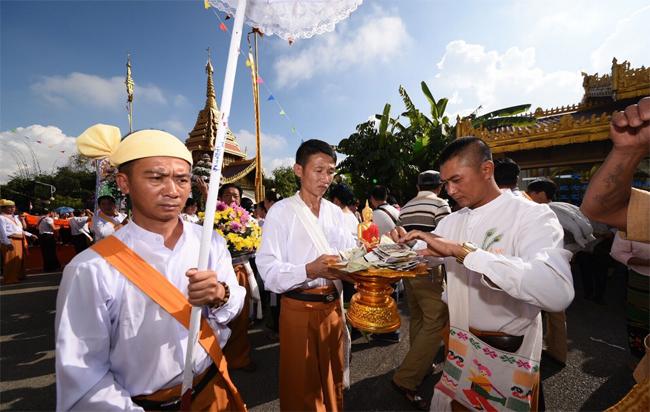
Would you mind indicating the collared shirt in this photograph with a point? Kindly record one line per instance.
(623, 250)
(10, 225)
(190, 218)
(114, 342)
(520, 253)
(46, 225)
(386, 218)
(286, 246)
(77, 225)
(423, 212)
(103, 228)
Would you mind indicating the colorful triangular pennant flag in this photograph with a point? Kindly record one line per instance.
(248, 63)
(260, 80)
(282, 113)
(293, 130)
(206, 4)
(223, 27)
(13, 130)
(270, 98)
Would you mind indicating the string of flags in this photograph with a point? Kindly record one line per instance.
(260, 81)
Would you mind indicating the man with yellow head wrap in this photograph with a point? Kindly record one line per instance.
(118, 345)
(13, 243)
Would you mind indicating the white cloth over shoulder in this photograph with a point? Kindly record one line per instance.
(520, 253)
(114, 342)
(103, 228)
(287, 247)
(574, 222)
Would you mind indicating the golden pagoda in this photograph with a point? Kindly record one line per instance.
(236, 168)
(569, 143)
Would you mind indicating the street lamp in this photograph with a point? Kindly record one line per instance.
(52, 188)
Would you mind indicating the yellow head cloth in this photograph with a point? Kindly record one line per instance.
(6, 202)
(101, 141)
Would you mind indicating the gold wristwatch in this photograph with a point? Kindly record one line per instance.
(467, 249)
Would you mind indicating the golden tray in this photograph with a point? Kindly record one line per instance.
(372, 308)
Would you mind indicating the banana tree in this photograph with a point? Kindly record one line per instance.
(508, 116)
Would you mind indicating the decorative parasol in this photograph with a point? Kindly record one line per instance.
(290, 20)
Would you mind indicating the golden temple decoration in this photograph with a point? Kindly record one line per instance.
(202, 137)
(587, 121)
(628, 83)
(130, 88)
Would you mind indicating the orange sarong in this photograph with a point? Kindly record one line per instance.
(13, 261)
(238, 349)
(311, 355)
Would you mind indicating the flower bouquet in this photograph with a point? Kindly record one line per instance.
(241, 231)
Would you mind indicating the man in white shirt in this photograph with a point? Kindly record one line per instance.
(107, 219)
(13, 243)
(117, 345)
(577, 234)
(506, 250)
(383, 214)
(291, 261)
(427, 310)
(47, 241)
(79, 229)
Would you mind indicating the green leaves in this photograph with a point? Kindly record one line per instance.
(507, 116)
(392, 153)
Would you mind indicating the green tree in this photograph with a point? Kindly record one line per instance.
(283, 180)
(378, 155)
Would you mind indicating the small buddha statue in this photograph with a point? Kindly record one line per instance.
(367, 231)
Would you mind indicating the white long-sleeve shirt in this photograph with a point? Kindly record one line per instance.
(286, 246)
(103, 228)
(114, 342)
(521, 252)
(11, 226)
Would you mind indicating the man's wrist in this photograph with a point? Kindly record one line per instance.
(465, 249)
(223, 300)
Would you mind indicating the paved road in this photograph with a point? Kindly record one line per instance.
(598, 370)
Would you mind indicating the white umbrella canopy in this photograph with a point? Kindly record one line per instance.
(292, 19)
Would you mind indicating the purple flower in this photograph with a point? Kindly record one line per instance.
(221, 206)
(235, 227)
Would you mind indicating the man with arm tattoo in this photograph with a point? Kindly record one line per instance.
(610, 198)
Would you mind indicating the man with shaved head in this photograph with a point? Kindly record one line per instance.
(504, 260)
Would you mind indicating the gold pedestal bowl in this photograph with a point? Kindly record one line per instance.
(372, 308)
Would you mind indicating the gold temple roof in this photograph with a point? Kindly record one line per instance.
(586, 121)
(202, 137)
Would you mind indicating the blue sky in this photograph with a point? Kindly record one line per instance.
(63, 65)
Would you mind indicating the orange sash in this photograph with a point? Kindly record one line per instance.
(160, 290)
(110, 220)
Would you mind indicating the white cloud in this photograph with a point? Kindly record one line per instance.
(475, 76)
(89, 89)
(180, 100)
(278, 162)
(379, 39)
(625, 43)
(176, 128)
(273, 149)
(45, 147)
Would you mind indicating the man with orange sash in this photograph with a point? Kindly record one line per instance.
(13, 243)
(123, 305)
(107, 219)
(300, 236)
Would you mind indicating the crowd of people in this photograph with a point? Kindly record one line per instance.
(501, 256)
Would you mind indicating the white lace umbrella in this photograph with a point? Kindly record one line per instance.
(290, 20)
